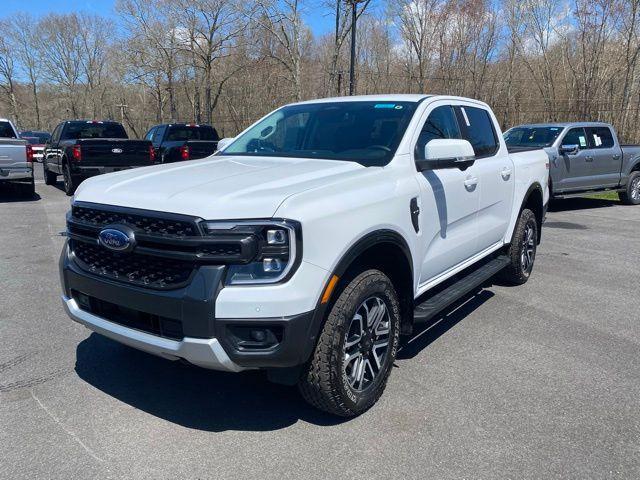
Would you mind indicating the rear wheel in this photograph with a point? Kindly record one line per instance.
(50, 178)
(70, 184)
(356, 349)
(522, 250)
(631, 196)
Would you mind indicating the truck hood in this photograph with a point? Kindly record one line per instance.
(218, 187)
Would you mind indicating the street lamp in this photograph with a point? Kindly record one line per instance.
(352, 68)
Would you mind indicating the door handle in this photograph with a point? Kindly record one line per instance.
(616, 156)
(470, 183)
(589, 159)
(506, 173)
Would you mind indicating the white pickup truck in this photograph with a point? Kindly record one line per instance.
(16, 158)
(308, 244)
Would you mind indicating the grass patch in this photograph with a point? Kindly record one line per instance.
(604, 196)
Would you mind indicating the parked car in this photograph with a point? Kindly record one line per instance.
(16, 158)
(585, 157)
(176, 142)
(310, 242)
(37, 140)
(80, 149)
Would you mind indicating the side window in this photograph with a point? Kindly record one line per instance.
(150, 133)
(576, 136)
(440, 124)
(477, 128)
(600, 137)
(159, 135)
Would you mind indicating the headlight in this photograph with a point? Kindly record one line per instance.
(276, 250)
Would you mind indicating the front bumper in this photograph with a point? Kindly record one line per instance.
(205, 340)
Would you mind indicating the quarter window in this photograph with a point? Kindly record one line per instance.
(600, 137)
(440, 124)
(478, 130)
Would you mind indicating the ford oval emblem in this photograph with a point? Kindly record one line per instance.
(115, 239)
(116, 150)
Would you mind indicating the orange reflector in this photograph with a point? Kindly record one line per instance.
(327, 291)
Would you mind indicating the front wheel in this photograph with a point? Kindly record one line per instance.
(356, 348)
(522, 251)
(631, 196)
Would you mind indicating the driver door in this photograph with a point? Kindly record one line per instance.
(449, 201)
(573, 168)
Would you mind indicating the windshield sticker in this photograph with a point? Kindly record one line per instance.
(583, 141)
(387, 105)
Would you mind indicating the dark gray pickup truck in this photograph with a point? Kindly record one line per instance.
(584, 157)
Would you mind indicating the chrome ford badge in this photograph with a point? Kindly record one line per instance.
(117, 240)
(116, 150)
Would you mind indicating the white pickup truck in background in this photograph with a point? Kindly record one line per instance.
(16, 158)
(309, 243)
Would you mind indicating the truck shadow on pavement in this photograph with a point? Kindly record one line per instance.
(190, 396)
(427, 333)
(12, 194)
(216, 401)
(580, 203)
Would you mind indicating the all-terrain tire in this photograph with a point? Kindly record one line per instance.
(522, 250)
(631, 196)
(326, 382)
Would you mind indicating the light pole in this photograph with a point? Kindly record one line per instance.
(352, 67)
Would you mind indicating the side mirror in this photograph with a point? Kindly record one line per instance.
(571, 149)
(222, 144)
(446, 153)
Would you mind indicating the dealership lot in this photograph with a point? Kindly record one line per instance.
(540, 381)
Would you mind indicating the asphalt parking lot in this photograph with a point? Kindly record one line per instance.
(539, 381)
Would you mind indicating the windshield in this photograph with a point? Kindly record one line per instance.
(365, 132)
(531, 136)
(93, 130)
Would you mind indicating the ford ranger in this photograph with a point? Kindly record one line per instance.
(80, 149)
(585, 157)
(309, 243)
(16, 159)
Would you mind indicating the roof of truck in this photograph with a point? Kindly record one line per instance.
(405, 97)
(564, 124)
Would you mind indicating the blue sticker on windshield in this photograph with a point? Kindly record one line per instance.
(387, 105)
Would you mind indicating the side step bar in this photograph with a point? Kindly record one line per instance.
(431, 306)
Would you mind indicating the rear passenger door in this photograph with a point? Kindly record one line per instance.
(448, 200)
(494, 169)
(605, 162)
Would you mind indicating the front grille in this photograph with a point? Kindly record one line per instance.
(149, 224)
(146, 322)
(143, 270)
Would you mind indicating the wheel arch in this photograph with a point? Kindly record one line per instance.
(385, 250)
(534, 201)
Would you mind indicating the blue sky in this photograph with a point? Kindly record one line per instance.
(318, 19)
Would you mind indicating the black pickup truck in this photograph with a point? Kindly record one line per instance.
(79, 149)
(176, 142)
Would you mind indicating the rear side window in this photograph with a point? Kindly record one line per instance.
(150, 133)
(440, 124)
(158, 135)
(576, 136)
(600, 137)
(6, 131)
(477, 128)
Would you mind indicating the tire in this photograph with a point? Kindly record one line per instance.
(70, 183)
(349, 368)
(522, 251)
(631, 196)
(50, 178)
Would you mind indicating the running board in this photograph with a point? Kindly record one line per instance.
(472, 280)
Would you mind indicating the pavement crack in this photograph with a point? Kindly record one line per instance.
(66, 429)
